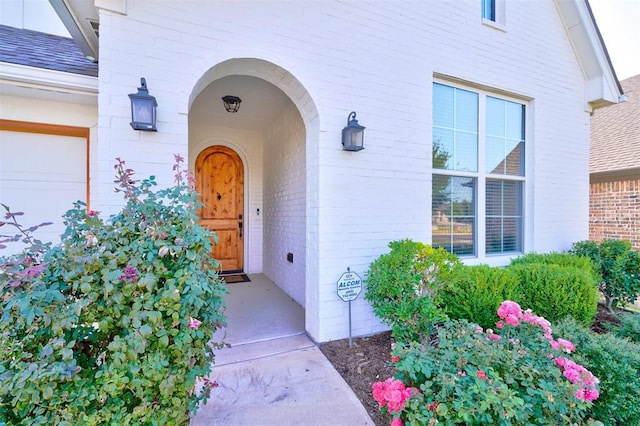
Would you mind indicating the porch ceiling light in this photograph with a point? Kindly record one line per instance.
(231, 103)
(143, 109)
(353, 134)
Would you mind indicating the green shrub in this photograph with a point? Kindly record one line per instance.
(629, 327)
(556, 291)
(618, 267)
(616, 362)
(469, 376)
(114, 325)
(554, 258)
(475, 293)
(401, 286)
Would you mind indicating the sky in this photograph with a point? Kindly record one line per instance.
(619, 24)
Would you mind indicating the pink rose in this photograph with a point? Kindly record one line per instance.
(194, 323)
(511, 319)
(572, 375)
(566, 345)
(378, 392)
(509, 308)
(591, 394)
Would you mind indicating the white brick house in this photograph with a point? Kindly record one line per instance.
(507, 98)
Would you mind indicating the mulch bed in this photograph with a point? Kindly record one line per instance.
(603, 318)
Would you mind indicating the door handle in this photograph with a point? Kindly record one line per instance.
(240, 227)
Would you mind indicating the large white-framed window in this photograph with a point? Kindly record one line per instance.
(478, 171)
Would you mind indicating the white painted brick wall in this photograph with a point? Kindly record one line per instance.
(379, 60)
(285, 204)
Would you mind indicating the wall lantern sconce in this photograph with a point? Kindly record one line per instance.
(143, 109)
(231, 103)
(353, 134)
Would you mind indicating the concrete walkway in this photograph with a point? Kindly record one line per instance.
(274, 374)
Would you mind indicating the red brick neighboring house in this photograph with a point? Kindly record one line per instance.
(614, 200)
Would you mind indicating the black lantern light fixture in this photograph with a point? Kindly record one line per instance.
(231, 103)
(143, 109)
(353, 134)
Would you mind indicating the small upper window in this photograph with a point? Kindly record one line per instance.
(494, 14)
(489, 10)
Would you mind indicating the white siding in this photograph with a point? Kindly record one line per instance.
(381, 65)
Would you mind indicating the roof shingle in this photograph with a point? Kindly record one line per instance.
(40, 50)
(615, 132)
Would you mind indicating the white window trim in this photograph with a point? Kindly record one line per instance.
(481, 176)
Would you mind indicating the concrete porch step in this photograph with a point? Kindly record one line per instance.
(261, 349)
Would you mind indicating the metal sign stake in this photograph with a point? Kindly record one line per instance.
(349, 287)
(349, 323)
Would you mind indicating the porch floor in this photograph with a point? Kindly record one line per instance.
(258, 311)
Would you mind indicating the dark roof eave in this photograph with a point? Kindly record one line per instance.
(615, 175)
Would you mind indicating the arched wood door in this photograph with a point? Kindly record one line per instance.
(220, 182)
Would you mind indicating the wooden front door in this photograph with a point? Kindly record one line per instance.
(220, 182)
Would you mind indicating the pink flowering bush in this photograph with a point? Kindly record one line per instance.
(616, 362)
(114, 324)
(517, 374)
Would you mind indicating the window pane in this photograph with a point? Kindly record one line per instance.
(455, 128)
(494, 235)
(466, 110)
(505, 137)
(442, 148)
(512, 198)
(453, 214)
(504, 216)
(494, 155)
(514, 158)
(514, 118)
(512, 234)
(489, 9)
(443, 99)
(466, 154)
(495, 117)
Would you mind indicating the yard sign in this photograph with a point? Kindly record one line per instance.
(349, 288)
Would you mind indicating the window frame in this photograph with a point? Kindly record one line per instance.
(482, 176)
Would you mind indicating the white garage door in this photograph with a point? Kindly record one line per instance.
(41, 175)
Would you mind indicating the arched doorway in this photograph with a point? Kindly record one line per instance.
(219, 175)
(275, 134)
